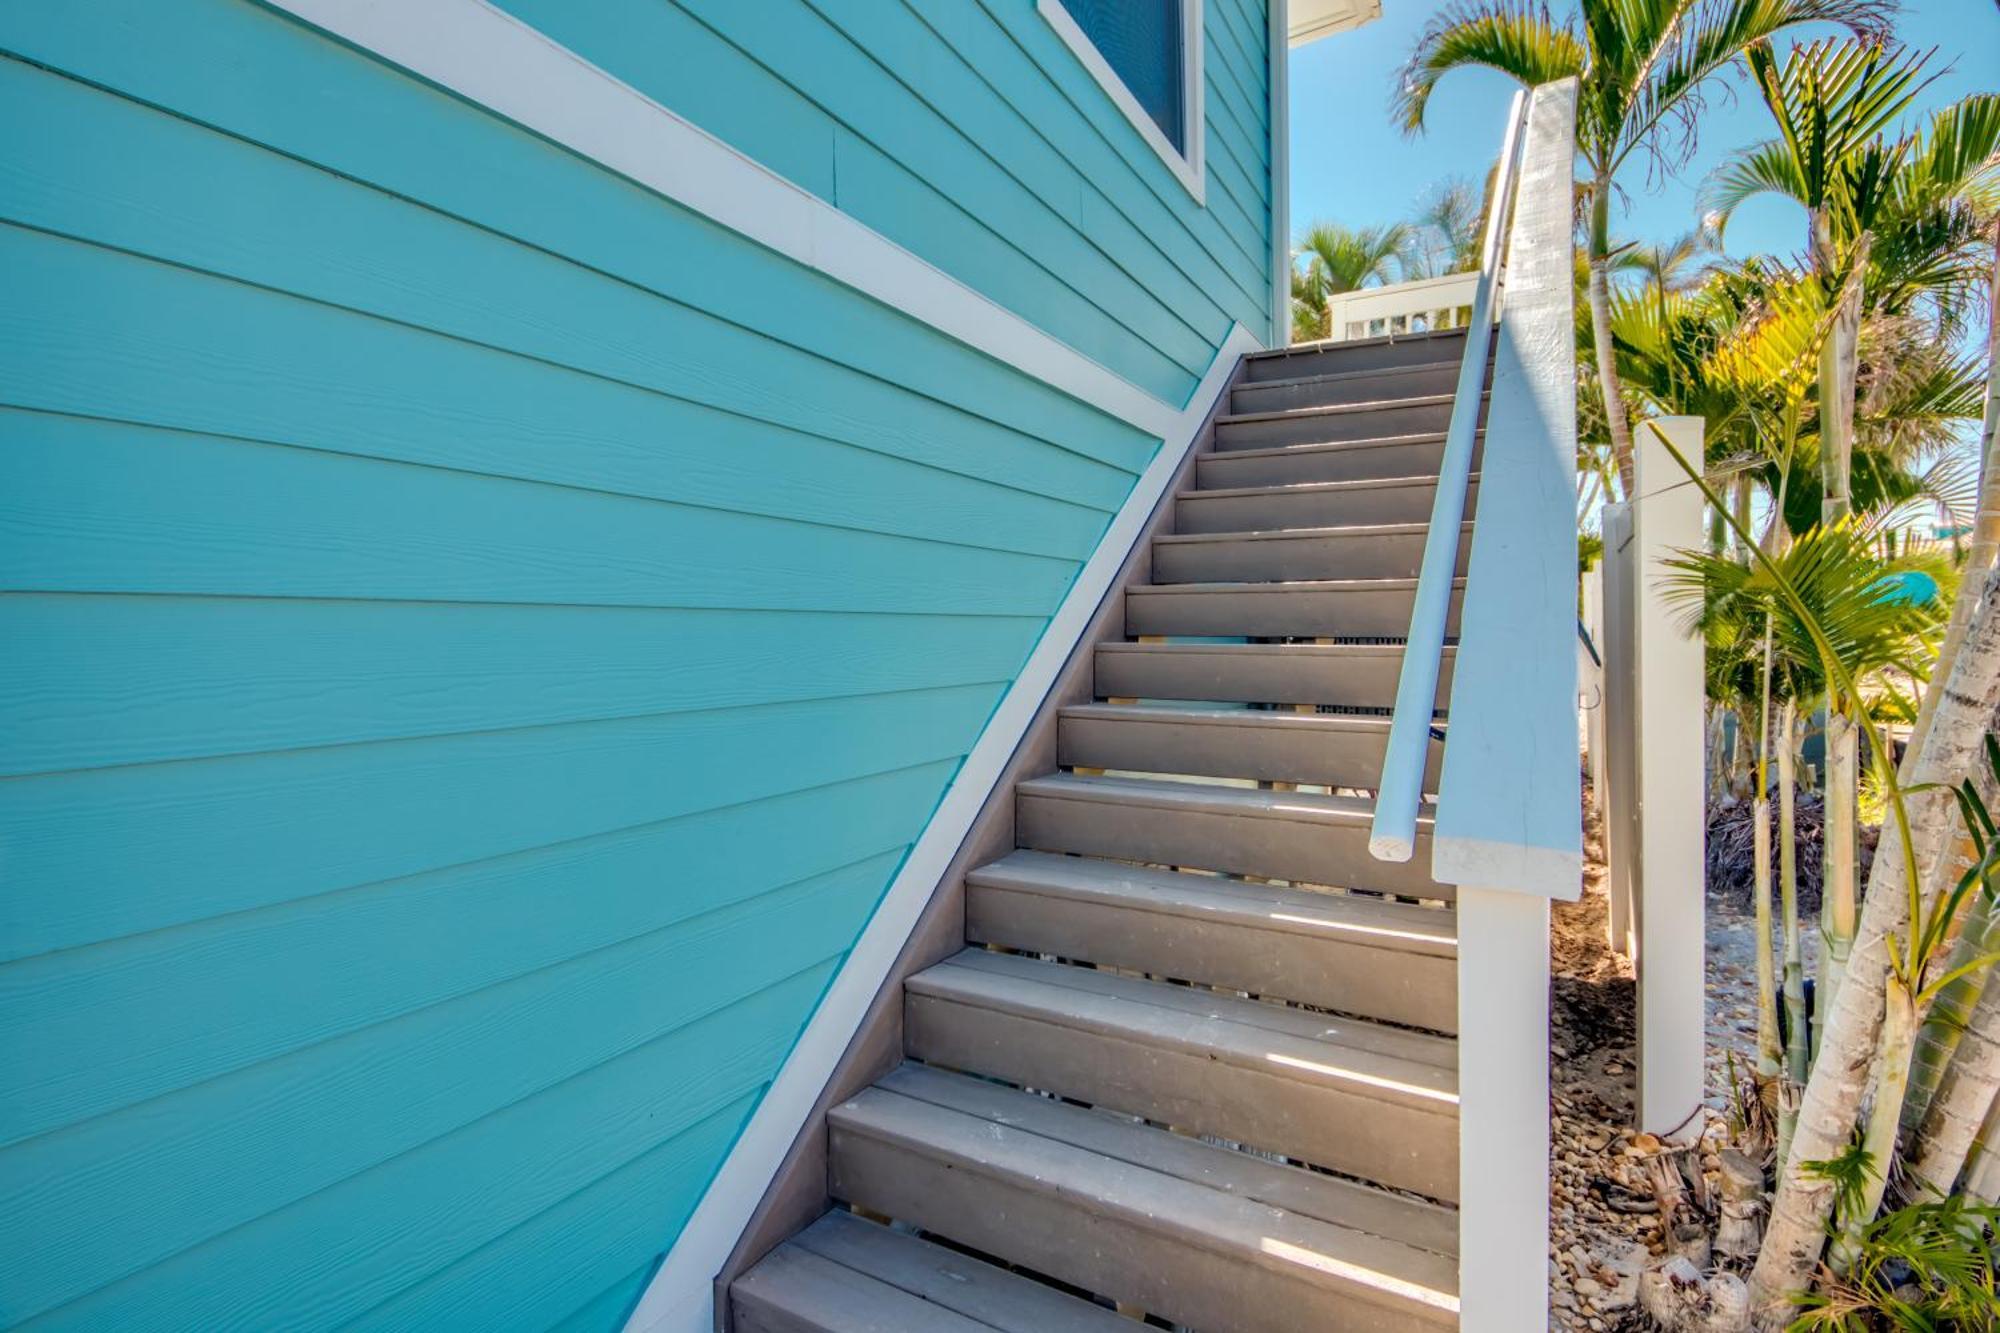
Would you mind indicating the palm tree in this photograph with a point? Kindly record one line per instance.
(1446, 230)
(1891, 225)
(1644, 66)
(1329, 259)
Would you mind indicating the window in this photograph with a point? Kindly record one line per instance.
(1146, 54)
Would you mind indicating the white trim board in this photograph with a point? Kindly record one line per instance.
(494, 60)
(1188, 167)
(1279, 77)
(681, 1297)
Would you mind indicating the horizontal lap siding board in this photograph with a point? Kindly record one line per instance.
(955, 131)
(482, 639)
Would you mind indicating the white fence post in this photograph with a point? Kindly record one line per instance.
(1671, 862)
(1619, 803)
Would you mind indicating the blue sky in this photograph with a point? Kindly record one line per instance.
(1350, 165)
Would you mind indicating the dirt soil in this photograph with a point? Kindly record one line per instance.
(1604, 1224)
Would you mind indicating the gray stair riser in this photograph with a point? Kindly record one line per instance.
(1274, 612)
(1341, 359)
(1272, 1108)
(793, 1291)
(1364, 461)
(1304, 556)
(1364, 423)
(1272, 848)
(1155, 743)
(1306, 507)
(1355, 387)
(1356, 977)
(843, 1273)
(1268, 674)
(1109, 1250)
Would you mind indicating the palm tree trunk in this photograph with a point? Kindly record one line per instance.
(1844, 1072)
(1616, 425)
(1986, 522)
(1964, 1098)
(1770, 1050)
(1839, 911)
(1982, 1164)
(1878, 1138)
(1838, 359)
(1799, 1039)
(1951, 1011)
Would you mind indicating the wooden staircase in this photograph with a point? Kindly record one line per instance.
(1195, 1065)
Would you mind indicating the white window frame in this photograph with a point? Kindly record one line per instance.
(1187, 167)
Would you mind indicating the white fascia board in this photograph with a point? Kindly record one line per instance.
(493, 60)
(681, 1298)
(1187, 167)
(1280, 123)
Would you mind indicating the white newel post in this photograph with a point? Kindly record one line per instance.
(1671, 851)
(1508, 828)
(1503, 1109)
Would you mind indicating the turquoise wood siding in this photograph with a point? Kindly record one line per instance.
(480, 638)
(966, 131)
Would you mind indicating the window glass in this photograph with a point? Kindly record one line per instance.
(1141, 41)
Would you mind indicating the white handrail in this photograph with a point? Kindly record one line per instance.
(1393, 837)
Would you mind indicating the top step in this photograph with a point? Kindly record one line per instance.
(1335, 358)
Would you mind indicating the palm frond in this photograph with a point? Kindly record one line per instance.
(1519, 38)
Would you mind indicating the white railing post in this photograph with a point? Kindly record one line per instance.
(1508, 830)
(1393, 835)
(1669, 859)
(1503, 1110)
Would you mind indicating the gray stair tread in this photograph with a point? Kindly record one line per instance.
(1163, 1181)
(1356, 530)
(1313, 487)
(1241, 802)
(1337, 377)
(1331, 652)
(1329, 750)
(1329, 724)
(1339, 344)
(1329, 447)
(1335, 409)
(1408, 1068)
(1343, 917)
(1279, 589)
(851, 1276)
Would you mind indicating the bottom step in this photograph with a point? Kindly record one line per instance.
(844, 1275)
(1193, 1233)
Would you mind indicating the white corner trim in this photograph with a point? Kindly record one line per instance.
(494, 60)
(1279, 78)
(681, 1296)
(1187, 167)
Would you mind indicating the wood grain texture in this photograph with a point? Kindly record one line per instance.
(244, 70)
(484, 636)
(139, 1018)
(106, 1201)
(113, 852)
(914, 164)
(98, 506)
(719, 407)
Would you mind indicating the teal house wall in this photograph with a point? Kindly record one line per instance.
(480, 638)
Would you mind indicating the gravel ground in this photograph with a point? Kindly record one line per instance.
(1604, 1223)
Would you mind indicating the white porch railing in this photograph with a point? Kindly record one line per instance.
(1405, 307)
(1508, 824)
